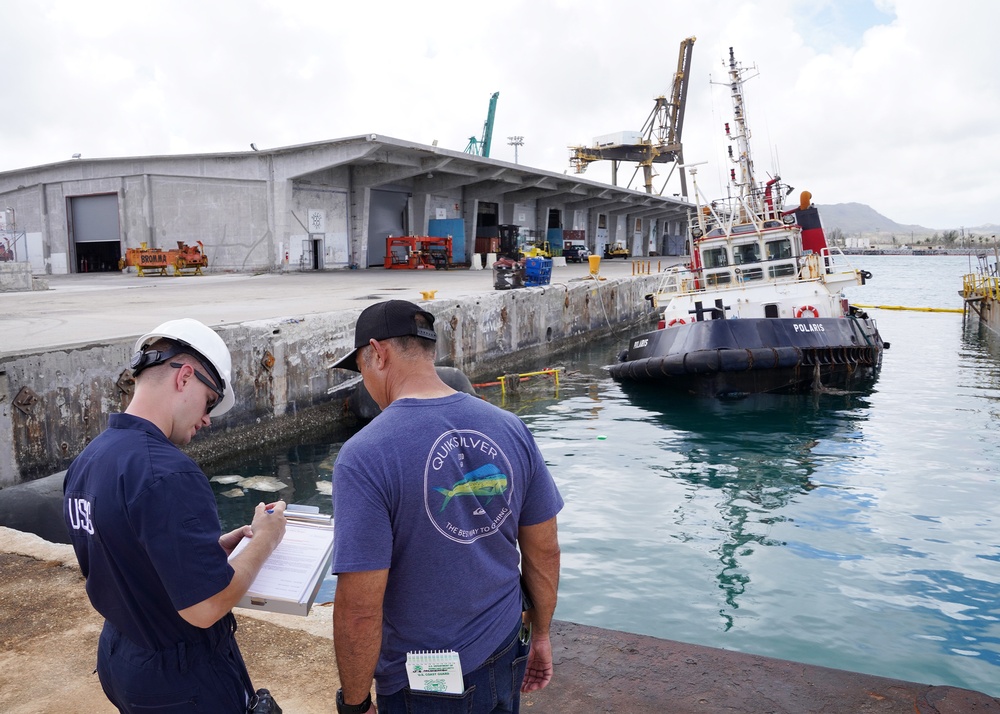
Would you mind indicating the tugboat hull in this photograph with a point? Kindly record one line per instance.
(749, 356)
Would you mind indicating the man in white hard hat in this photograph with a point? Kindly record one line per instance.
(144, 525)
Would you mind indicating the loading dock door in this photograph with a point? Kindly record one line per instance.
(386, 217)
(96, 235)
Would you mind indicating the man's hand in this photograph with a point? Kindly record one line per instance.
(230, 540)
(269, 522)
(539, 670)
(267, 530)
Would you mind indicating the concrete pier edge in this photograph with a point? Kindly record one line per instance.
(56, 397)
(596, 670)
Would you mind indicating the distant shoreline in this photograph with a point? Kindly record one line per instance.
(917, 251)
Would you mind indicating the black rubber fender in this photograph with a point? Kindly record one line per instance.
(703, 362)
(738, 360)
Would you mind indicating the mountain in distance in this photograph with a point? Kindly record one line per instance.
(855, 218)
(858, 218)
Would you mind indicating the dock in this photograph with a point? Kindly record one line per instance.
(50, 631)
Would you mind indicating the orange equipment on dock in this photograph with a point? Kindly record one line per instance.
(186, 257)
(417, 252)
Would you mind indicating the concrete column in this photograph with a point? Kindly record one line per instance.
(122, 215)
(593, 217)
(470, 212)
(358, 212)
(421, 213)
(43, 212)
(615, 232)
(149, 235)
(279, 202)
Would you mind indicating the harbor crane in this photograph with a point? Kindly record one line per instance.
(481, 147)
(659, 141)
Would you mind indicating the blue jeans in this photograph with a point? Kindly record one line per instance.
(494, 688)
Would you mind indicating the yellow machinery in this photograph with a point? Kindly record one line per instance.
(537, 250)
(618, 250)
(186, 257)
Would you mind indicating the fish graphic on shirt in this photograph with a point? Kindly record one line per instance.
(486, 481)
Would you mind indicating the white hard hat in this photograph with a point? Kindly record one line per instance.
(205, 343)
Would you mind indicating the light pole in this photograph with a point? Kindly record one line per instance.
(515, 141)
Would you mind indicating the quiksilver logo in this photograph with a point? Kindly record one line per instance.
(78, 510)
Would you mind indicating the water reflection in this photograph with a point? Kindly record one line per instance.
(303, 469)
(759, 453)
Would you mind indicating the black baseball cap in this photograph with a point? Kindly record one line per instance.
(383, 320)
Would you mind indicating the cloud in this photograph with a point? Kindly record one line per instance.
(889, 103)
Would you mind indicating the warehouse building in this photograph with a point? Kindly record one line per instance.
(321, 206)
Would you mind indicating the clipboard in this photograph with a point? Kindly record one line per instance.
(292, 575)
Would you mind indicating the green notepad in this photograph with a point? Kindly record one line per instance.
(435, 671)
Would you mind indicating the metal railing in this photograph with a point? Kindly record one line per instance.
(981, 287)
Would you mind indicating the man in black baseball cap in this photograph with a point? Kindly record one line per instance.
(384, 320)
(442, 492)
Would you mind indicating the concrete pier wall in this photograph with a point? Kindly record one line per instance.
(53, 402)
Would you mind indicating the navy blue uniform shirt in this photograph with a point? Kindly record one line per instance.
(144, 525)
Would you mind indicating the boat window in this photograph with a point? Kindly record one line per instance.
(750, 274)
(745, 228)
(772, 224)
(779, 271)
(749, 253)
(716, 233)
(715, 258)
(779, 249)
(720, 278)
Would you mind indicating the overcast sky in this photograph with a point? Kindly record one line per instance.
(891, 103)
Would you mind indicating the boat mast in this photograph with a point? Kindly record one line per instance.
(745, 184)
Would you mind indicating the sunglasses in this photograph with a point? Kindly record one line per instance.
(208, 383)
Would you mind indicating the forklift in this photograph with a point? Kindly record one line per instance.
(618, 250)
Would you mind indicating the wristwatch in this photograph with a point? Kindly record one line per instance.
(361, 708)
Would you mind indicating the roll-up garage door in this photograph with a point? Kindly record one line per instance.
(96, 234)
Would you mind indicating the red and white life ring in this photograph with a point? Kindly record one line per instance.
(676, 321)
(799, 312)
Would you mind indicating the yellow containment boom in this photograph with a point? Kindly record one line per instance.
(915, 309)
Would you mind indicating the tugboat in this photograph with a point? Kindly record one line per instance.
(760, 307)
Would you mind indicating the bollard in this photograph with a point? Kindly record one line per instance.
(595, 265)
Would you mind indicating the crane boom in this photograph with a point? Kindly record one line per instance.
(481, 147)
(488, 126)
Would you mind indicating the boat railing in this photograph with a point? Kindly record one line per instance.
(679, 280)
(834, 261)
(676, 280)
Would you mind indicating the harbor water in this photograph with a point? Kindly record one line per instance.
(856, 530)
